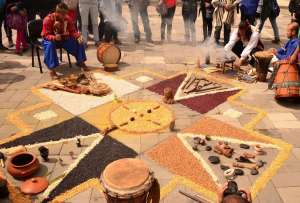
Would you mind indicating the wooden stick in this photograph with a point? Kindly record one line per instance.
(193, 197)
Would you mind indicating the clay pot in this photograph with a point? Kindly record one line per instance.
(34, 185)
(23, 164)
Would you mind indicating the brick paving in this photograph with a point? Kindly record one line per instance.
(144, 65)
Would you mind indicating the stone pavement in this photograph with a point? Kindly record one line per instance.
(24, 111)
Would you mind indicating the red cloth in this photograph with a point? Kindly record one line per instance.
(72, 15)
(170, 3)
(48, 31)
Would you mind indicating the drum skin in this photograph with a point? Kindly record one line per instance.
(126, 181)
(287, 81)
(108, 53)
(263, 62)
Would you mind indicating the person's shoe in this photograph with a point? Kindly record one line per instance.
(276, 41)
(53, 75)
(3, 48)
(136, 40)
(150, 40)
(97, 43)
(10, 44)
(25, 48)
(83, 66)
(117, 41)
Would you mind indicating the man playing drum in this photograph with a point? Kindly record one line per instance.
(59, 31)
(288, 52)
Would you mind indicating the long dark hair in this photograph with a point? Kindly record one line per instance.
(245, 25)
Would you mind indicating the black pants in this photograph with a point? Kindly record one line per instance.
(110, 32)
(166, 21)
(207, 27)
(227, 30)
(101, 27)
(8, 31)
(238, 48)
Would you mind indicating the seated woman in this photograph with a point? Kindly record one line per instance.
(59, 31)
(244, 42)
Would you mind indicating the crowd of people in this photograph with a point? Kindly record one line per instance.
(67, 24)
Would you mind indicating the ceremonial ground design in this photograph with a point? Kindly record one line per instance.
(196, 168)
(201, 104)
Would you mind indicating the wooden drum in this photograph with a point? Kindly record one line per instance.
(287, 81)
(263, 61)
(129, 181)
(109, 55)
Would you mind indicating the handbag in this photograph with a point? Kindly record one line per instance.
(162, 9)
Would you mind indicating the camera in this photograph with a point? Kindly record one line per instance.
(232, 189)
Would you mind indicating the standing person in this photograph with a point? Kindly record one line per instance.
(86, 8)
(17, 20)
(224, 15)
(248, 10)
(167, 18)
(59, 30)
(113, 21)
(294, 8)
(137, 7)
(189, 14)
(207, 17)
(9, 4)
(269, 9)
(2, 18)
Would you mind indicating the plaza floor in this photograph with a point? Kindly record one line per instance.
(33, 116)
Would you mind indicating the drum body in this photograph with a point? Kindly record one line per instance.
(287, 81)
(127, 181)
(109, 55)
(262, 64)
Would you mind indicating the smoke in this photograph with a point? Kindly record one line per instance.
(112, 12)
(211, 52)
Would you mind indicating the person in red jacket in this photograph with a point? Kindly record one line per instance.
(59, 31)
(167, 18)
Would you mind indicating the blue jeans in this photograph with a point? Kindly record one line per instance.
(70, 45)
(274, 26)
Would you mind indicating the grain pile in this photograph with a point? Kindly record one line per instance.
(173, 155)
(213, 127)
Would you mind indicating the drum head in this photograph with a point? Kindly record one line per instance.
(125, 175)
(111, 55)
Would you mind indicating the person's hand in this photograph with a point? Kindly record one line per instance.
(58, 37)
(228, 7)
(80, 40)
(237, 64)
(221, 192)
(246, 195)
(293, 59)
(273, 51)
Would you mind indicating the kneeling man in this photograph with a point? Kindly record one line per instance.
(59, 31)
(244, 42)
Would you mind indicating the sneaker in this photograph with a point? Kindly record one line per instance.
(83, 66)
(150, 40)
(53, 75)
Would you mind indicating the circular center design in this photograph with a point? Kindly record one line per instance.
(142, 116)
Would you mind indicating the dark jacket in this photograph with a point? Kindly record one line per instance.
(189, 9)
(294, 7)
(268, 9)
(249, 7)
(207, 12)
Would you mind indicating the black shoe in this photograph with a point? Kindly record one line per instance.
(276, 41)
(10, 44)
(3, 48)
(136, 40)
(149, 40)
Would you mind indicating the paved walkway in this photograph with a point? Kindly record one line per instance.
(24, 110)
